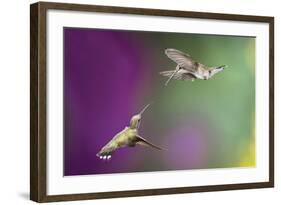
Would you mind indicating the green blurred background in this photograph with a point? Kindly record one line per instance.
(206, 124)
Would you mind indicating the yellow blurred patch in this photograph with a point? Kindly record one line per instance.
(250, 55)
(249, 157)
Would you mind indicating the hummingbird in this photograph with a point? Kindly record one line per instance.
(187, 68)
(128, 137)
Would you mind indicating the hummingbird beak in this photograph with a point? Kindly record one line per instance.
(144, 109)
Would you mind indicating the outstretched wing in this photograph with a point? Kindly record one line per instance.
(144, 142)
(182, 59)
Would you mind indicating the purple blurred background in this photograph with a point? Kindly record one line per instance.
(104, 72)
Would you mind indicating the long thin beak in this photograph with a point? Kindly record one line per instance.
(144, 109)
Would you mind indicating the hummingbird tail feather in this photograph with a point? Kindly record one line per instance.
(167, 73)
(170, 74)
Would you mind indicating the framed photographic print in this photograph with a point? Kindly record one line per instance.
(133, 102)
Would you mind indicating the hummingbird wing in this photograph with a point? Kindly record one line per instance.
(144, 142)
(184, 60)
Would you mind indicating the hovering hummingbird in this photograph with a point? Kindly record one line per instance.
(187, 68)
(128, 137)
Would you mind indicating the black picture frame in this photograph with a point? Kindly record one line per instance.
(38, 101)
